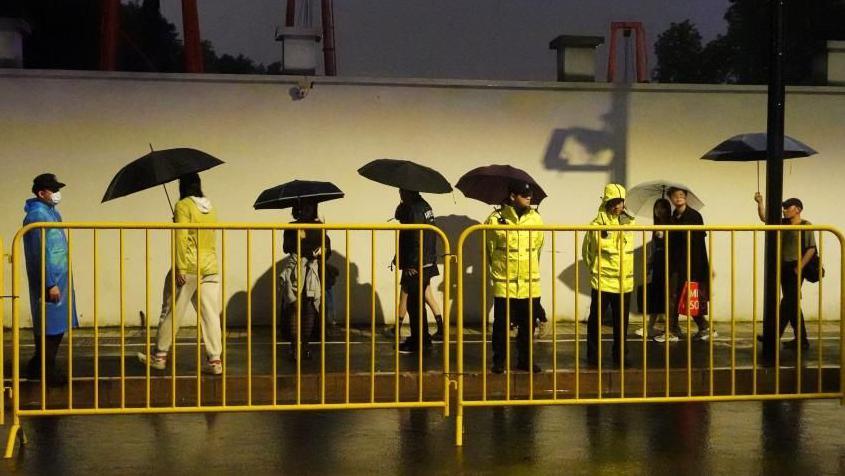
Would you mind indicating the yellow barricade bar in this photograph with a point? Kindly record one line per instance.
(86, 394)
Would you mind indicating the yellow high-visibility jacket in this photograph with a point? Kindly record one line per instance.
(195, 210)
(610, 255)
(513, 257)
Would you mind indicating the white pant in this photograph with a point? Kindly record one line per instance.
(209, 309)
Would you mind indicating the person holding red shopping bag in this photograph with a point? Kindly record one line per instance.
(697, 275)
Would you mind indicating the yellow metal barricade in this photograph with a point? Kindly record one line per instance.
(251, 383)
(3, 297)
(668, 372)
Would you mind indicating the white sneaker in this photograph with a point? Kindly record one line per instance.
(662, 338)
(214, 367)
(544, 329)
(641, 331)
(158, 361)
(704, 334)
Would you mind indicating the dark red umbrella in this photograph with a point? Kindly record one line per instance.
(490, 184)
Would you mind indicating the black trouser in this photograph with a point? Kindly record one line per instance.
(520, 316)
(51, 345)
(613, 301)
(790, 287)
(411, 285)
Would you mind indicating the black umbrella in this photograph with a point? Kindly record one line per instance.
(753, 147)
(406, 175)
(490, 184)
(291, 193)
(157, 168)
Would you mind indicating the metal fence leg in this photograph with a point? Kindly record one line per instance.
(14, 431)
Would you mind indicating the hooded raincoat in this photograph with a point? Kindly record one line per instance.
(55, 266)
(610, 254)
(514, 256)
(192, 244)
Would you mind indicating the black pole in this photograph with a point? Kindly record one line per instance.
(774, 178)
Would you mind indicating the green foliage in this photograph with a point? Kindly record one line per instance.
(678, 51)
(741, 55)
(66, 35)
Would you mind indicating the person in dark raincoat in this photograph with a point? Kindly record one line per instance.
(57, 291)
(656, 288)
(698, 271)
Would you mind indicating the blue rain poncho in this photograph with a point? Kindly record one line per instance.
(56, 255)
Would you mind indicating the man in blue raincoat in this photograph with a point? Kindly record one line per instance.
(57, 294)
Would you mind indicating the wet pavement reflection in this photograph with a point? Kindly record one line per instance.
(723, 438)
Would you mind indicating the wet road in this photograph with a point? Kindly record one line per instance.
(725, 438)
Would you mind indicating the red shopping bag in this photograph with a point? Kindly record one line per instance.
(694, 302)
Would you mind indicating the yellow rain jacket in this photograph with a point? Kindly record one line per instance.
(611, 251)
(195, 210)
(514, 256)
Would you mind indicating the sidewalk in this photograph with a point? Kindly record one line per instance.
(689, 369)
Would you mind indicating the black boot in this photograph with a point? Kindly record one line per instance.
(438, 335)
(54, 377)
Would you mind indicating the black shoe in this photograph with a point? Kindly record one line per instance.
(56, 378)
(32, 371)
(498, 368)
(408, 347)
(791, 344)
(524, 367)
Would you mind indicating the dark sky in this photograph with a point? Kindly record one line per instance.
(477, 39)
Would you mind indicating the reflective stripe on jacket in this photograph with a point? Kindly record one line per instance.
(514, 256)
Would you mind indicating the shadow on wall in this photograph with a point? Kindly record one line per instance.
(360, 297)
(579, 149)
(453, 226)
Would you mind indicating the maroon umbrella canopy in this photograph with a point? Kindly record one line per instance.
(490, 184)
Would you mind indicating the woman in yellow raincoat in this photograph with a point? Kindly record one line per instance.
(609, 256)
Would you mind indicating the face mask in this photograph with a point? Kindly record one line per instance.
(56, 197)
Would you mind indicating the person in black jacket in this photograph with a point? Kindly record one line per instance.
(415, 210)
(698, 271)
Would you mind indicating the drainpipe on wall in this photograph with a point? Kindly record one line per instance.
(191, 27)
(109, 26)
(329, 60)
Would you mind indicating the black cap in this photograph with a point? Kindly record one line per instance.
(520, 187)
(46, 181)
(792, 201)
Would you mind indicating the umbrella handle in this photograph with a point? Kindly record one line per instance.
(168, 199)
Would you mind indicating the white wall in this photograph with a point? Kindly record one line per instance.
(84, 126)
